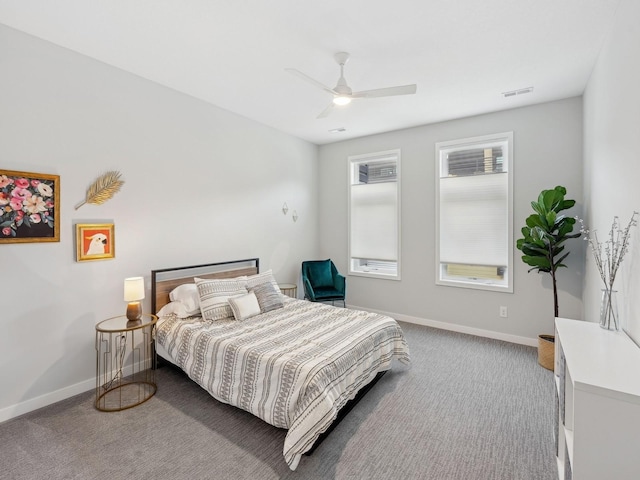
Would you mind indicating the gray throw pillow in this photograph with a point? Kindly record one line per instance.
(268, 297)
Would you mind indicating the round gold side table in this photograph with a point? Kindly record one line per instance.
(125, 355)
(289, 289)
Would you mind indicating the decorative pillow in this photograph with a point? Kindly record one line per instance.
(320, 273)
(259, 278)
(268, 297)
(177, 308)
(187, 294)
(214, 296)
(244, 306)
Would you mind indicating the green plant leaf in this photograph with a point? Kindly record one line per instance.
(551, 220)
(561, 190)
(533, 221)
(549, 198)
(538, 207)
(532, 249)
(538, 262)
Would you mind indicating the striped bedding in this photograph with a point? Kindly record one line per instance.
(294, 367)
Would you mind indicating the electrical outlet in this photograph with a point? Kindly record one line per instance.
(503, 312)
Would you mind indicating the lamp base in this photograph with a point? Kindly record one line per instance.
(134, 313)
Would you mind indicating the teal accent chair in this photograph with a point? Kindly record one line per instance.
(322, 282)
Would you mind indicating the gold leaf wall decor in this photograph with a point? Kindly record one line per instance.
(103, 188)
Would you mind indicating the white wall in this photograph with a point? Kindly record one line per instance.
(612, 178)
(201, 185)
(547, 152)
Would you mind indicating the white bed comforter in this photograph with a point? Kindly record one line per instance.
(294, 367)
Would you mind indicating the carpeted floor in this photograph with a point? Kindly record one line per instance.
(467, 408)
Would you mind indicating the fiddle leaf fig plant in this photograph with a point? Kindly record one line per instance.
(545, 233)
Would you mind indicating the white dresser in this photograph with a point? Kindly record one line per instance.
(597, 376)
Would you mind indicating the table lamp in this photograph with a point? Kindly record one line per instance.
(133, 293)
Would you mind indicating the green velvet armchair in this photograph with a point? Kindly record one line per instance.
(322, 282)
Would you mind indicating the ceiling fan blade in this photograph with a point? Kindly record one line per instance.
(386, 92)
(307, 78)
(326, 111)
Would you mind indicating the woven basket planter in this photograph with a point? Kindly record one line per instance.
(546, 351)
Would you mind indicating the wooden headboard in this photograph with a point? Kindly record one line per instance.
(166, 279)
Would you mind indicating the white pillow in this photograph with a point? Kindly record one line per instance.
(187, 294)
(259, 278)
(245, 306)
(177, 308)
(214, 296)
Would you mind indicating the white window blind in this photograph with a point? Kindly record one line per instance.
(473, 220)
(374, 214)
(474, 197)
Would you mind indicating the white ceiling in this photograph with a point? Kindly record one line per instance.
(462, 54)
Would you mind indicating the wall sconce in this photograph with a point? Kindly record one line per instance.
(133, 293)
(294, 215)
(285, 208)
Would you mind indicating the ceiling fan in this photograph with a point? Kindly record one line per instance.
(342, 93)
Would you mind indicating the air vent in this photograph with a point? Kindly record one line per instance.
(520, 91)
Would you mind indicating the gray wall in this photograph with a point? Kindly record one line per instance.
(547, 152)
(612, 130)
(201, 185)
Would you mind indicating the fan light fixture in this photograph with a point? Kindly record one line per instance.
(341, 100)
(342, 93)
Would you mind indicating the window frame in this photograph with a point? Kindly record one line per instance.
(480, 141)
(353, 160)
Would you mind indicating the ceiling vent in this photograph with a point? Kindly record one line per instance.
(520, 91)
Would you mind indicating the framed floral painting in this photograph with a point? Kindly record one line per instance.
(29, 207)
(95, 241)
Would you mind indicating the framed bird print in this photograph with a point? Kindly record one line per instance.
(95, 241)
(29, 207)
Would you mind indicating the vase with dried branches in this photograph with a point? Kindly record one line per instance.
(608, 256)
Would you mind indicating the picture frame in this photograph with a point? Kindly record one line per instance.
(95, 241)
(29, 207)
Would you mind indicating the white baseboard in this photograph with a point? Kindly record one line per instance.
(64, 393)
(479, 332)
(58, 395)
(27, 406)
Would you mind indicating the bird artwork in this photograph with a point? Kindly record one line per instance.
(97, 244)
(95, 241)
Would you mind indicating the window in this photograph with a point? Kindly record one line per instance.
(374, 215)
(474, 197)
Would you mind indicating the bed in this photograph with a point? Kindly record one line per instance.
(293, 363)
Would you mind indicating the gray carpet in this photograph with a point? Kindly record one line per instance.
(468, 408)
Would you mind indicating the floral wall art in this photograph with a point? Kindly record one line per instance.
(29, 207)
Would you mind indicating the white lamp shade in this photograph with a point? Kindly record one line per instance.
(133, 289)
